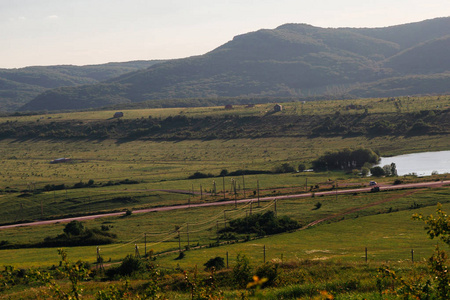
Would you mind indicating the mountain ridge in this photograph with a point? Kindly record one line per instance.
(292, 60)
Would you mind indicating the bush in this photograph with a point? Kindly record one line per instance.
(317, 205)
(242, 273)
(261, 224)
(216, 263)
(284, 168)
(197, 175)
(129, 266)
(301, 167)
(74, 228)
(268, 271)
(377, 171)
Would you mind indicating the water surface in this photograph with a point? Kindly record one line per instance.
(422, 164)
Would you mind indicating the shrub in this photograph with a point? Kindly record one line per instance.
(268, 271)
(242, 273)
(284, 168)
(74, 228)
(216, 263)
(197, 175)
(377, 171)
(130, 265)
(261, 224)
(301, 167)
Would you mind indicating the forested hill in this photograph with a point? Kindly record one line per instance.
(19, 86)
(293, 60)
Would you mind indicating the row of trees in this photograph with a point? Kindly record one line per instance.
(346, 159)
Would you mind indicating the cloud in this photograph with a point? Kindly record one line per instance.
(52, 17)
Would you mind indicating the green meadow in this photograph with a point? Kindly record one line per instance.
(107, 175)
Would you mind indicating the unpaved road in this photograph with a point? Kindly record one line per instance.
(433, 184)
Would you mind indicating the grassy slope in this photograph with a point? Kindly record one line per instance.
(388, 236)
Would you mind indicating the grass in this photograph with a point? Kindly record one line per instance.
(385, 229)
(163, 165)
(388, 236)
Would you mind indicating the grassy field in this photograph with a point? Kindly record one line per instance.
(159, 171)
(163, 166)
(323, 107)
(374, 227)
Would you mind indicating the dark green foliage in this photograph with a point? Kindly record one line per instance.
(301, 167)
(268, 271)
(74, 228)
(18, 86)
(218, 263)
(242, 271)
(377, 171)
(197, 175)
(130, 265)
(227, 127)
(284, 168)
(261, 224)
(345, 159)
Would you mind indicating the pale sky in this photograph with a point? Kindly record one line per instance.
(81, 32)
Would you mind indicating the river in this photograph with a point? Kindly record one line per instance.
(422, 164)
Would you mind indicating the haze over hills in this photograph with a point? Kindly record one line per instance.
(19, 86)
(293, 60)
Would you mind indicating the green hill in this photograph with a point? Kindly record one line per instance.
(291, 61)
(19, 86)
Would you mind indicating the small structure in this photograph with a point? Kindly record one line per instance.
(228, 106)
(118, 114)
(60, 160)
(277, 108)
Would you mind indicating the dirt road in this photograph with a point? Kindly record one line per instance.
(433, 184)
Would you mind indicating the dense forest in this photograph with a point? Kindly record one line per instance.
(292, 61)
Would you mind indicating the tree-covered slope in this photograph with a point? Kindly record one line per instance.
(19, 86)
(293, 60)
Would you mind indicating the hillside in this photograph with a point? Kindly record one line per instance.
(19, 86)
(293, 60)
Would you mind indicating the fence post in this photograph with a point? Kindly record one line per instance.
(366, 254)
(264, 253)
(412, 255)
(227, 259)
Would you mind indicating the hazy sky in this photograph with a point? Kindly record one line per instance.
(80, 32)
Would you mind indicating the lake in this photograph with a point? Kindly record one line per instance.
(422, 164)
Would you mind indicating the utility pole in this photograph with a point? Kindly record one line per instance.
(201, 192)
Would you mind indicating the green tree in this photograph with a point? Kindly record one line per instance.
(393, 170)
(301, 167)
(74, 228)
(377, 171)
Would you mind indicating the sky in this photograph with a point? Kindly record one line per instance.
(83, 32)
